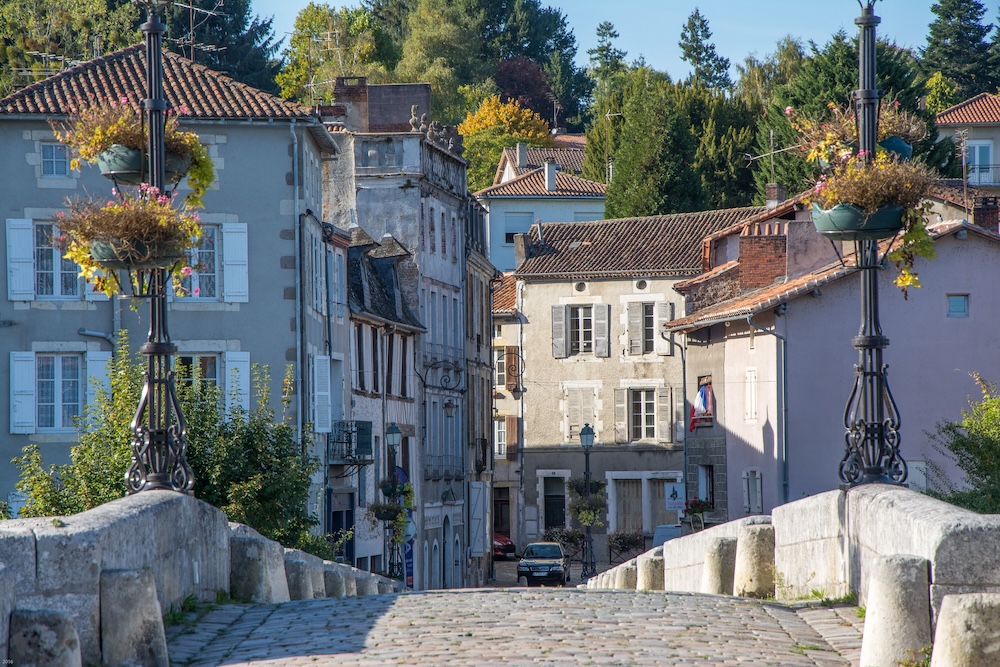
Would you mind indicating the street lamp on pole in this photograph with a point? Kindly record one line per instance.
(589, 567)
(393, 437)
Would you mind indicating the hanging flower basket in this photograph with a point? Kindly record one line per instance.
(898, 147)
(129, 166)
(128, 254)
(385, 511)
(847, 222)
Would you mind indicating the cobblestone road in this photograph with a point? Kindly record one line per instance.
(520, 626)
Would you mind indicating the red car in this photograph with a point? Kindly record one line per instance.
(502, 546)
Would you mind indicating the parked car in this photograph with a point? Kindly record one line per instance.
(544, 563)
(502, 546)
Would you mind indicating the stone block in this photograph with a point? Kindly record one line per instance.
(333, 581)
(754, 570)
(257, 570)
(314, 570)
(43, 638)
(719, 569)
(299, 581)
(649, 573)
(8, 600)
(84, 610)
(366, 584)
(131, 624)
(625, 577)
(17, 552)
(898, 615)
(968, 631)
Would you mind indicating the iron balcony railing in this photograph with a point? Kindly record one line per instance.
(350, 443)
(984, 175)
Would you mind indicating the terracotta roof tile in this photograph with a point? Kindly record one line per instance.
(206, 94)
(504, 296)
(708, 276)
(569, 141)
(532, 184)
(983, 109)
(953, 191)
(568, 159)
(655, 245)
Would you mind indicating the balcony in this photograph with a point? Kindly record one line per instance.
(984, 176)
(350, 443)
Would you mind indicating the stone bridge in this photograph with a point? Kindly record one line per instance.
(97, 586)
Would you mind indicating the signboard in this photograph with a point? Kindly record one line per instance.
(674, 494)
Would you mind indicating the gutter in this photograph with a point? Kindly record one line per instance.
(297, 217)
(783, 440)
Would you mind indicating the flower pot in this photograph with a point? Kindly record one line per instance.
(387, 512)
(115, 254)
(846, 222)
(128, 166)
(902, 150)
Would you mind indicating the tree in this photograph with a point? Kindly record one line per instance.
(494, 126)
(226, 37)
(941, 93)
(606, 61)
(245, 463)
(957, 46)
(523, 80)
(760, 78)
(698, 50)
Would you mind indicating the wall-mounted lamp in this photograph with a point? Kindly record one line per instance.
(449, 408)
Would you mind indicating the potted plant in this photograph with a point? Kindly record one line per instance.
(587, 509)
(113, 136)
(623, 542)
(385, 511)
(133, 232)
(697, 506)
(391, 487)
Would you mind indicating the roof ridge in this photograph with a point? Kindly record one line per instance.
(964, 103)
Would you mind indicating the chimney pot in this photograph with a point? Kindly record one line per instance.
(550, 175)
(522, 155)
(774, 194)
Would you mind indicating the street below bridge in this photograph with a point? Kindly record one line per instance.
(520, 626)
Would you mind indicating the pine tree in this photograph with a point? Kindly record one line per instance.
(606, 61)
(957, 46)
(698, 50)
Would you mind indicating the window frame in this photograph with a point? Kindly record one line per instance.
(646, 397)
(54, 159)
(60, 266)
(500, 437)
(58, 381)
(499, 367)
(191, 285)
(964, 313)
(580, 329)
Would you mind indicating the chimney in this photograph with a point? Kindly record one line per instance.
(763, 254)
(986, 213)
(522, 155)
(521, 242)
(550, 175)
(774, 194)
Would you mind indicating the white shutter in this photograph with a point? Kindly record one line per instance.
(664, 415)
(22, 392)
(621, 415)
(97, 375)
(322, 390)
(237, 369)
(746, 491)
(664, 313)
(477, 517)
(559, 347)
(235, 263)
(602, 330)
(20, 261)
(635, 329)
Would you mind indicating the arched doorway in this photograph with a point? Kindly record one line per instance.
(446, 555)
(435, 581)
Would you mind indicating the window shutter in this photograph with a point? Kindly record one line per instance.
(322, 395)
(587, 408)
(602, 330)
(97, 375)
(635, 328)
(512, 367)
(746, 491)
(22, 392)
(664, 415)
(621, 415)
(21, 263)
(512, 441)
(664, 314)
(237, 380)
(758, 501)
(477, 515)
(235, 263)
(363, 445)
(559, 347)
(750, 402)
(574, 420)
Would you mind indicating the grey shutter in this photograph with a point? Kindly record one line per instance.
(664, 314)
(363, 443)
(758, 507)
(477, 516)
(573, 415)
(602, 330)
(635, 332)
(98, 376)
(21, 263)
(235, 263)
(237, 368)
(322, 394)
(587, 407)
(559, 347)
(746, 491)
(664, 415)
(621, 415)
(22, 392)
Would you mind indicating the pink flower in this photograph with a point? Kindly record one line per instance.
(895, 103)
(197, 291)
(60, 215)
(789, 111)
(124, 100)
(187, 271)
(182, 109)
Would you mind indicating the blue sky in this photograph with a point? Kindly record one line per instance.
(652, 27)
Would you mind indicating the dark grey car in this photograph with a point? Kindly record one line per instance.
(544, 563)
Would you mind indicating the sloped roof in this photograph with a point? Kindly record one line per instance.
(504, 296)
(773, 295)
(983, 109)
(568, 159)
(206, 94)
(654, 245)
(532, 184)
(569, 141)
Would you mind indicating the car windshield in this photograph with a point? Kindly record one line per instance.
(543, 551)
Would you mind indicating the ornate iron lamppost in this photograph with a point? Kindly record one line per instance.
(871, 416)
(393, 437)
(589, 566)
(159, 443)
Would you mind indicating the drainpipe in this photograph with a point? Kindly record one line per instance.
(296, 216)
(783, 440)
(684, 393)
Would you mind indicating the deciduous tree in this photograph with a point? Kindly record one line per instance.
(494, 126)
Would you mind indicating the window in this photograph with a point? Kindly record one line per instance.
(641, 328)
(581, 329)
(404, 361)
(979, 162)
(444, 237)
(750, 408)
(753, 501)
(499, 368)
(430, 231)
(389, 350)
(958, 305)
(359, 355)
(579, 406)
(516, 223)
(55, 276)
(204, 261)
(498, 331)
(701, 411)
(55, 161)
(706, 483)
(58, 390)
(375, 359)
(642, 414)
(207, 368)
(500, 437)
(340, 278)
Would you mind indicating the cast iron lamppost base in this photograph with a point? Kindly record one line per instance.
(393, 436)
(159, 443)
(871, 417)
(589, 567)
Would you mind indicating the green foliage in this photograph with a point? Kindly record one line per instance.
(760, 78)
(973, 443)
(588, 510)
(245, 463)
(942, 93)
(494, 126)
(958, 46)
(570, 539)
(697, 50)
(606, 61)
(920, 658)
(622, 541)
